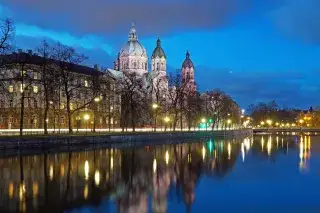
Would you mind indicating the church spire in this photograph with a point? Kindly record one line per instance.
(187, 55)
(158, 42)
(133, 33)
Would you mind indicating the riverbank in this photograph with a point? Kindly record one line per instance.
(33, 141)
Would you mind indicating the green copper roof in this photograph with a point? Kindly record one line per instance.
(158, 51)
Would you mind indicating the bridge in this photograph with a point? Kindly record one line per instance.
(291, 129)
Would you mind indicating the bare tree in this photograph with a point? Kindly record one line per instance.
(67, 60)
(176, 96)
(6, 35)
(47, 79)
(133, 94)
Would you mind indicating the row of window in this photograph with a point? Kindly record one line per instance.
(22, 87)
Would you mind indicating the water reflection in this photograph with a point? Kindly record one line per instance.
(130, 177)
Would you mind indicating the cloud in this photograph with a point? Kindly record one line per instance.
(299, 19)
(96, 55)
(290, 88)
(111, 16)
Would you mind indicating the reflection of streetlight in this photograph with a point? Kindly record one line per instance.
(154, 107)
(86, 118)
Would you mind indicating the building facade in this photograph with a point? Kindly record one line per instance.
(22, 95)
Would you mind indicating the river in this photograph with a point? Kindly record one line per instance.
(260, 174)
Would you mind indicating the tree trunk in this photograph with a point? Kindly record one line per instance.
(21, 113)
(181, 121)
(94, 118)
(69, 114)
(45, 118)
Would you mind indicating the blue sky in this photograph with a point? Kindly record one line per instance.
(255, 50)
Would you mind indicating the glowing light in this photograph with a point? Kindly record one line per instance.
(86, 117)
(97, 178)
(86, 170)
(97, 99)
(262, 143)
(229, 151)
(166, 119)
(10, 190)
(242, 152)
(229, 121)
(35, 189)
(155, 106)
(167, 157)
(62, 170)
(51, 172)
(269, 146)
(111, 162)
(203, 120)
(85, 191)
(22, 191)
(262, 122)
(247, 143)
(203, 152)
(189, 158)
(154, 165)
(269, 122)
(210, 146)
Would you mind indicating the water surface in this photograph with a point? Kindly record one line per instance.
(260, 174)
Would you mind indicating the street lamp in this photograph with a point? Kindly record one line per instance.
(97, 99)
(154, 107)
(269, 122)
(78, 120)
(86, 118)
(166, 120)
(229, 123)
(262, 123)
(203, 120)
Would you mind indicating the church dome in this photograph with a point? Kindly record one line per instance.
(187, 62)
(133, 47)
(158, 51)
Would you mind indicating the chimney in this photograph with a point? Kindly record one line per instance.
(30, 52)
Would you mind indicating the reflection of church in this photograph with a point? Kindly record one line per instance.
(128, 176)
(133, 59)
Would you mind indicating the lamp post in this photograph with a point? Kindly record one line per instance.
(78, 121)
(86, 118)
(203, 120)
(96, 100)
(166, 120)
(229, 123)
(155, 107)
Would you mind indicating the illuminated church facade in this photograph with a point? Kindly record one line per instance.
(133, 59)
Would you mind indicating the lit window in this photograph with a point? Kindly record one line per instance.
(35, 89)
(10, 88)
(35, 75)
(23, 73)
(21, 87)
(86, 83)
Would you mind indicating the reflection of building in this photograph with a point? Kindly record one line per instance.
(64, 181)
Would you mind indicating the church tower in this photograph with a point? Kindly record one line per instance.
(188, 73)
(159, 60)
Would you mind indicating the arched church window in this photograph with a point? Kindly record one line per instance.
(134, 65)
(146, 66)
(158, 66)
